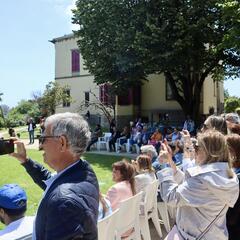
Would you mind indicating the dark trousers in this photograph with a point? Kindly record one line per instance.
(31, 136)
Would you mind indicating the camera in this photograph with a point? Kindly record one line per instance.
(6, 146)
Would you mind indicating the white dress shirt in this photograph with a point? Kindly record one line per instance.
(19, 228)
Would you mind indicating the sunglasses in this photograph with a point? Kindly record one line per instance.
(42, 139)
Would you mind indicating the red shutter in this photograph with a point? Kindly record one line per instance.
(75, 61)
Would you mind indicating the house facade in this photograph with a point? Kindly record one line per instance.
(150, 101)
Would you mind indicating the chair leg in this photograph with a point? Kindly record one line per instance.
(156, 223)
(162, 209)
(145, 231)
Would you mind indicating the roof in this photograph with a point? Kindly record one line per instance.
(64, 37)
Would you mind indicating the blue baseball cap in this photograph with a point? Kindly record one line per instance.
(12, 197)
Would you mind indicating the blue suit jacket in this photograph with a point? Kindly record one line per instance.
(69, 209)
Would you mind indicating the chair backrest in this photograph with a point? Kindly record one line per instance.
(150, 200)
(27, 237)
(106, 136)
(107, 226)
(128, 217)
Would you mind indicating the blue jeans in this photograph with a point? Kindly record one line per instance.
(31, 136)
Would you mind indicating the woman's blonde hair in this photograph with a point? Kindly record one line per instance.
(214, 144)
(144, 163)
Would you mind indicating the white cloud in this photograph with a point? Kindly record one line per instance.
(69, 13)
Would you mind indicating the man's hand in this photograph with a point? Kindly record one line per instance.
(21, 152)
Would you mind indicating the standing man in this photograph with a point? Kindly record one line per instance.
(31, 127)
(69, 207)
(13, 205)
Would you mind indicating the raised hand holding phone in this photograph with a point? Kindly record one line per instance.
(20, 154)
(165, 155)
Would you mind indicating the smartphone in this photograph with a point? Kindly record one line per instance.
(6, 146)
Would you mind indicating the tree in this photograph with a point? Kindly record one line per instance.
(2, 117)
(231, 104)
(53, 96)
(25, 109)
(124, 41)
(106, 107)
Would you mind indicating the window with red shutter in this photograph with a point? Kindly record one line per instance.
(75, 61)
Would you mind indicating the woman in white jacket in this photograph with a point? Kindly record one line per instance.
(206, 191)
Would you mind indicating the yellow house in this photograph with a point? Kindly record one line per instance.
(153, 99)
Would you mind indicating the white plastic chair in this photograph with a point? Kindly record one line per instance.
(103, 141)
(107, 226)
(128, 218)
(127, 145)
(163, 211)
(117, 144)
(137, 148)
(27, 237)
(149, 208)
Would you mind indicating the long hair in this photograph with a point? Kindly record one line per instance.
(233, 141)
(144, 163)
(214, 144)
(127, 172)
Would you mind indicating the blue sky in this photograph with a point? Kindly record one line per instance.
(27, 58)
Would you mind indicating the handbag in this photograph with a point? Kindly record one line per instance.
(174, 234)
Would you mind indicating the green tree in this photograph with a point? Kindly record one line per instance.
(124, 41)
(226, 94)
(53, 96)
(2, 118)
(24, 110)
(231, 104)
(231, 14)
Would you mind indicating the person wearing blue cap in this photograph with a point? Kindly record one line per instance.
(13, 205)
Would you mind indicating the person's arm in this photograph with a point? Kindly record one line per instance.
(190, 193)
(112, 196)
(37, 172)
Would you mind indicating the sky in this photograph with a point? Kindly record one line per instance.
(27, 57)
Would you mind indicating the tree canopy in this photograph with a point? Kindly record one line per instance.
(186, 40)
(53, 96)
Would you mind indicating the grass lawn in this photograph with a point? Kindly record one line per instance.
(13, 172)
(22, 130)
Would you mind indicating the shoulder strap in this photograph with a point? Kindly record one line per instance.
(210, 225)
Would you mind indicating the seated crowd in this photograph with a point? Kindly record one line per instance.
(198, 177)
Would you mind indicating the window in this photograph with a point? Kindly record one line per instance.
(106, 95)
(125, 99)
(66, 102)
(169, 93)
(75, 61)
(87, 98)
(103, 94)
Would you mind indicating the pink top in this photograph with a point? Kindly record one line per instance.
(118, 192)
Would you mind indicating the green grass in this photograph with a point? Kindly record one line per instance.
(13, 172)
(22, 130)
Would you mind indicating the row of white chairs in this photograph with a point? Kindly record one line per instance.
(102, 143)
(133, 217)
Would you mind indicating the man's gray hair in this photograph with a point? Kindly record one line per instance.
(232, 117)
(149, 148)
(73, 127)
